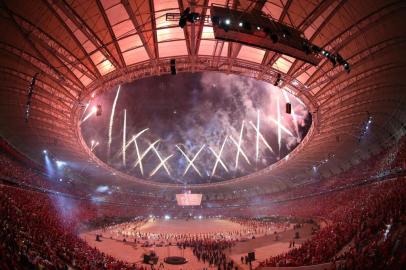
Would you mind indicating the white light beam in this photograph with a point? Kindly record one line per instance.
(138, 156)
(282, 127)
(218, 157)
(93, 111)
(93, 145)
(239, 145)
(124, 135)
(160, 158)
(279, 123)
(191, 164)
(262, 137)
(145, 152)
(257, 139)
(113, 110)
(135, 137)
(242, 151)
(162, 163)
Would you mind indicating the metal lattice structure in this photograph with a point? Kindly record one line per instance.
(81, 48)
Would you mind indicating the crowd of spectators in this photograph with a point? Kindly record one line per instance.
(34, 236)
(359, 216)
(366, 220)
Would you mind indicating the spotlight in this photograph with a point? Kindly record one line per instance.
(267, 31)
(167, 217)
(340, 60)
(258, 28)
(347, 67)
(60, 163)
(325, 53)
(215, 20)
(274, 38)
(29, 96)
(227, 21)
(45, 152)
(286, 34)
(186, 16)
(183, 17)
(332, 60)
(316, 49)
(247, 26)
(193, 17)
(306, 48)
(240, 24)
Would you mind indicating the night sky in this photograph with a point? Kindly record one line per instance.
(192, 110)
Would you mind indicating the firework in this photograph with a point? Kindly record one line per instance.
(93, 111)
(124, 135)
(282, 127)
(262, 137)
(218, 157)
(241, 150)
(239, 145)
(162, 163)
(257, 138)
(139, 160)
(191, 161)
(135, 137)
(160, 159)
(279, 123)
(138, 156)
(93, 145)
(112, 119)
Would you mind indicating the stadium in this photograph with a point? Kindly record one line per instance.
(202, 134)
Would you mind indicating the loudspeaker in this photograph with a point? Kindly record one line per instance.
(278, 79)
(173, 66)
(251, 256)
(98, 110)
(288, 108)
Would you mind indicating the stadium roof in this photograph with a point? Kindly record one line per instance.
(79, 48)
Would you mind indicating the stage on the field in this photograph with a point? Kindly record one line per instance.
(181, 226)
(264, 246)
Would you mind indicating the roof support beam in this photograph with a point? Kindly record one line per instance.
(137, 26)
(112, 35)
(95, 71)
(86, 30)
(155, 37)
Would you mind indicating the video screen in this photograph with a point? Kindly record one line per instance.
(188, 199)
